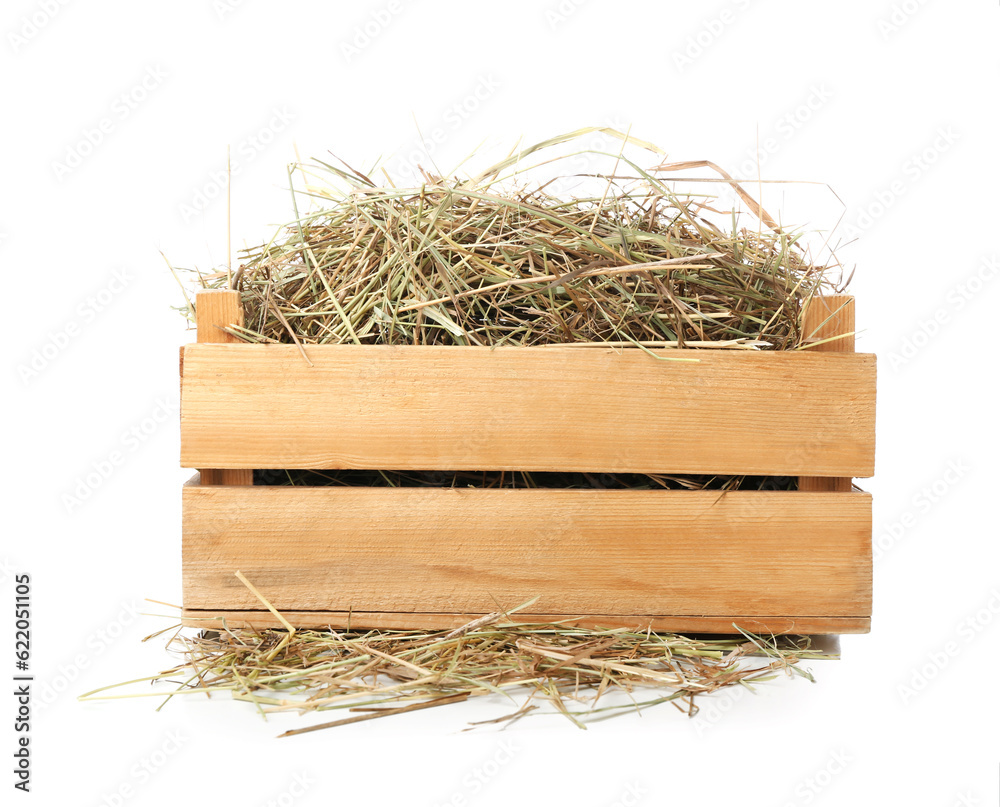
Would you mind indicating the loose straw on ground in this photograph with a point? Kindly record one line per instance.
(381, 673)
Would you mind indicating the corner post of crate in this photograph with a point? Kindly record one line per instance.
(824, 317)
(215, 310)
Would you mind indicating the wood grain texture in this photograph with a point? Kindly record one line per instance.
(552, 409)
(214, 310)
(215, 619)
(469, 551)
(825, 317)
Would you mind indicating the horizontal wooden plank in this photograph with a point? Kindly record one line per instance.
(551, 409)
(362, 620)
(469, 551)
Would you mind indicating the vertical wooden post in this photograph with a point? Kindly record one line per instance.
(824, 317)
(215, 310)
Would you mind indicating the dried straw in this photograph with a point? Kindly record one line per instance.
(499, 259)
(560, 667)
(518, 479)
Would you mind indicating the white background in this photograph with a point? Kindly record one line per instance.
(902, 124)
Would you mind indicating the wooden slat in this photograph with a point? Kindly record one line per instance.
(217, 309)
(826, 317)
(467, 551)
(216, 619)
(472, 408)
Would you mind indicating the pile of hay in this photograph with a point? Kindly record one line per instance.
(376, 674)
(496, 259)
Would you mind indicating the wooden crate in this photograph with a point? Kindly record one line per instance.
(786, 562)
